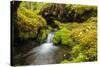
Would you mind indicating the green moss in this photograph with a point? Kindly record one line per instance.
(43, 35)
(34, 6)
(64, 61)
(76, 50)
(59, 24)
(28, 23)
(86, 39)
(56, 38)
(84, 36)
(62, 37)
(80, 58)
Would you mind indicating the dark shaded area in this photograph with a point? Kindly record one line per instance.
(14, 5)
(66, 13)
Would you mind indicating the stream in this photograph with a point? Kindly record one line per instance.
(46, 53)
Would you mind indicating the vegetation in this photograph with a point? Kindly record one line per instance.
(69, 13)
(84, 38)
(29, 23)
(43, 34)
(75, 24)
(62, 37)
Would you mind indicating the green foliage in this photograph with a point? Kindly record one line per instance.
(35, 7)
(43, 34)
(64, 61)
(67, 25)
(76, 50)
(59, 24)
(71, 26)
(92, 19)
(80, 58)
(28, 23)
(86, 39)
(62, 37)
(57, 38)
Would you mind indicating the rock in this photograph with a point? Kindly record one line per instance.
(28, 23)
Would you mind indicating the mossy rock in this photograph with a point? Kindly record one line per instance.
(62, 37)
(42, 35)
(28, 23)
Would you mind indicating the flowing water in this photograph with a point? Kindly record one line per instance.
(46, 53)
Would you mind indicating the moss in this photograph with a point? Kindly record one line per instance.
(76, 50)
(56, 38)
(35, 7)
(80, 58)
(28, 23)
(64, 61)
(43, 34)
(59, 24)
(92, 19)
(62, 37)
(86, 38)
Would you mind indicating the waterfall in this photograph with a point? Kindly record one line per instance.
(50, 36)
(45, 53)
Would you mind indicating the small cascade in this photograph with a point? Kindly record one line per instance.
(50, 36)
(45, 53)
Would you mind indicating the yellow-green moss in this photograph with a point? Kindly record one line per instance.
(28, 23)
(62, 37)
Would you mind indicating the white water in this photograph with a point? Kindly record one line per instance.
(45, 53)
(50, 36)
